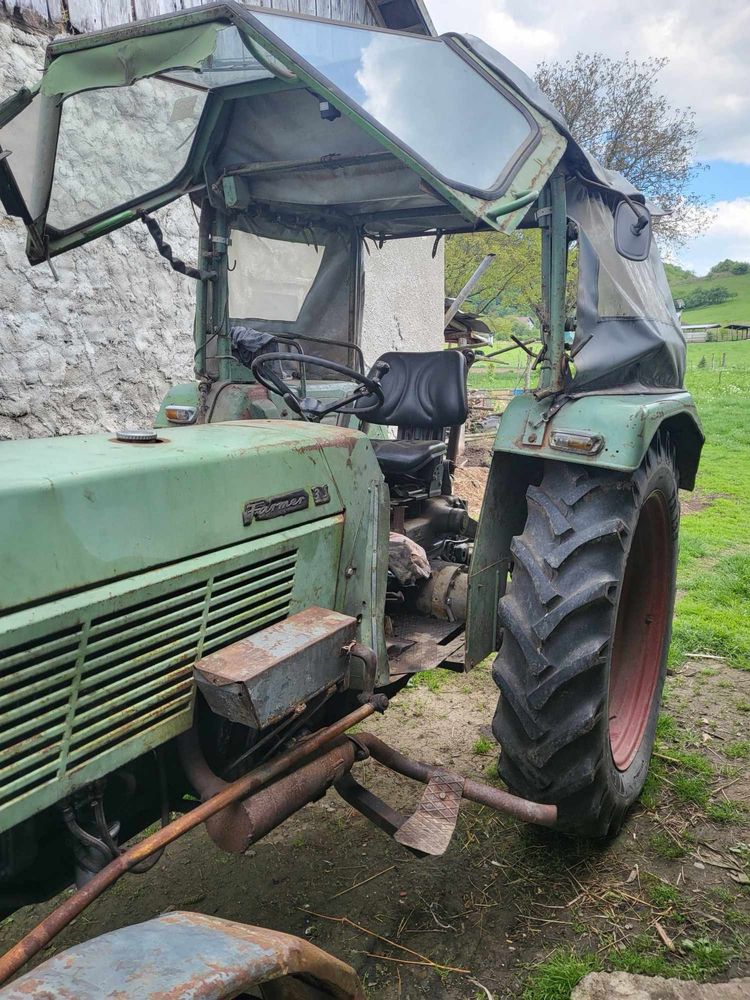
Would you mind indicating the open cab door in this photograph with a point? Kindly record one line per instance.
(19, 133)
(127, 120)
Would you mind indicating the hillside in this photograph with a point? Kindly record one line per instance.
(736, 310)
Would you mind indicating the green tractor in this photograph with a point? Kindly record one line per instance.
(193, 614)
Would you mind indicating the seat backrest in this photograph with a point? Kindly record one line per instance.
(422, 390)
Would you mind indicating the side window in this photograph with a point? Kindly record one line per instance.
(18, 140)
(117, 144)
(270, 279)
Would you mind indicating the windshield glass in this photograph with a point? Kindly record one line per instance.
(423, 92)
(117, 144)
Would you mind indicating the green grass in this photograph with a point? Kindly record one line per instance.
(433, 680)
(665, 847)
(667, 728)
(725, 812)
(558, 975)
(714, 569)
(484, 746)
(505, 372)
(739, 750)
(664, 895)
(691, 788)
(736, 310)
(692, 762)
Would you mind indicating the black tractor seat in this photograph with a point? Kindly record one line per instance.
(424, 393)
(405, 458)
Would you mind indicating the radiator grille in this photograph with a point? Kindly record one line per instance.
(72, 701)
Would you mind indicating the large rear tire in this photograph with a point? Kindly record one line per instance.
(586, 623)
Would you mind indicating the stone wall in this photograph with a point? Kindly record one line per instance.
(97, 348)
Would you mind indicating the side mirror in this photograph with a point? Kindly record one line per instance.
(632, 231)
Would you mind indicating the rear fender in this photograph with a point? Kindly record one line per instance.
(626, 423)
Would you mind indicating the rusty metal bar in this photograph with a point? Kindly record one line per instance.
(371, 807)
(477, 791)
(62, 915)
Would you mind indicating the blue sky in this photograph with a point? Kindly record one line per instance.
(723, 180)
(707, 44)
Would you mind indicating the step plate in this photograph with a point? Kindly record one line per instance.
(431, 827)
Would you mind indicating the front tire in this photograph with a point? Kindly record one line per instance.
(586, 622)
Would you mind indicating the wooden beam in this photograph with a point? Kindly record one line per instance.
(374, 8)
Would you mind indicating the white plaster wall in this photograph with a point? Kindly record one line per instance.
(404, 298)
(98, 348)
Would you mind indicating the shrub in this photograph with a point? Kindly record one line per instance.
(708, 297)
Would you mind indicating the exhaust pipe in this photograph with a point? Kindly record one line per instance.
(243, 823)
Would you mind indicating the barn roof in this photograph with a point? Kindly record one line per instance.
(405, 15)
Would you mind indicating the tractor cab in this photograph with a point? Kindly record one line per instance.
(303, 144)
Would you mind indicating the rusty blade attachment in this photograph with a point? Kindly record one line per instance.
(429, 829)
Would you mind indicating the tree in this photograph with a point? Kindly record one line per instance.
(513, 277)
(614, 109)
(513, 281)
(729, 266)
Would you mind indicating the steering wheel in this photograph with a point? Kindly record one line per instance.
(313, 409)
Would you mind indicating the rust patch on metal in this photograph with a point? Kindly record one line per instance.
(260, 679)
(238, 826)
(180, 955)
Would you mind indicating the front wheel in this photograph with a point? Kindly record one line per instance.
(586, 623)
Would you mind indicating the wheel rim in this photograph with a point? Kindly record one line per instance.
(642, 621)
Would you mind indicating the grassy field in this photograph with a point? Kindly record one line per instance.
(505, 372)
(714, 573)
(736, 310)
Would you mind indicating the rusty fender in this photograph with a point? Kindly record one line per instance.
(477, 791)
(188, 955)
(241, 824)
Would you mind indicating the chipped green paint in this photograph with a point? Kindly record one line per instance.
(626, 422)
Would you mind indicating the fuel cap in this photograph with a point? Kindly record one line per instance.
(135, 435)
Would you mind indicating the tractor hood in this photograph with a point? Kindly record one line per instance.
(79, 511)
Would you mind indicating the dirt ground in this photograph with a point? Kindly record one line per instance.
(671, 889)
(504, 896)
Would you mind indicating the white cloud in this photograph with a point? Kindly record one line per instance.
(530, 44)
(706, 43)
(728, 236)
